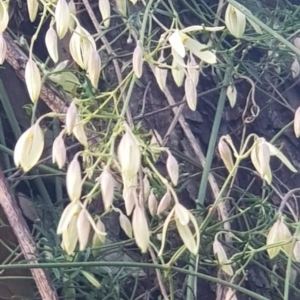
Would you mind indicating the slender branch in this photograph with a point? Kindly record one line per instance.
(25, 240)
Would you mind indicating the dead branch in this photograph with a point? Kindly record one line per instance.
(25, 239)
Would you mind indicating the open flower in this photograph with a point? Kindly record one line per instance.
(260, 156)
(279, 234)
(180, 42)
(29, 148)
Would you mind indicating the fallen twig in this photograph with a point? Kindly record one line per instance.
(25, 239)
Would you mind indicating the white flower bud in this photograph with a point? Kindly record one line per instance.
(187, 237)
(279, 233)
(71, 117)
(182, 214)
(129, 155)
(88, 44)
(104, 8)
(99, 239)
(70, 236)
(235, 21)
(33, 80)
(125, 225)
(140, 228)
(297, 122)
(94, 68)
(146, 187)
(225, 154)
(130, 199)
(59, 153)
(107, 184)
(32, 7)
(260, 157)
(164, 203)
(79, 133)
(4, 17)
(122, 7)
(83, 228)
(81, 46)
(73, 180)
(51, 43)
(295, 68)
(62, 18)
(193, 69)
(177, 73)
(190, 93)
(75, 46)
(29, 148)
(70, 210)
(152, 204)
(221, 255)
(172, 168)
(72, 9)
(297, 42)
(161, 74)
(296, 251)
(137, 60)
(231, 95)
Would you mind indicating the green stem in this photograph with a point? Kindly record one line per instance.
(128, 97)
(144, 24)
(9, 112)
(278, 134)
(133, 265)
(213, 140)
(6, 161)
(34, 112)
(44, 169)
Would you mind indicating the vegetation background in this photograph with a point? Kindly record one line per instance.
(258, 65)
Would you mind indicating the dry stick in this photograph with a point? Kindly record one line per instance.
(158, 275)
(173, 123)
(25, 239)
